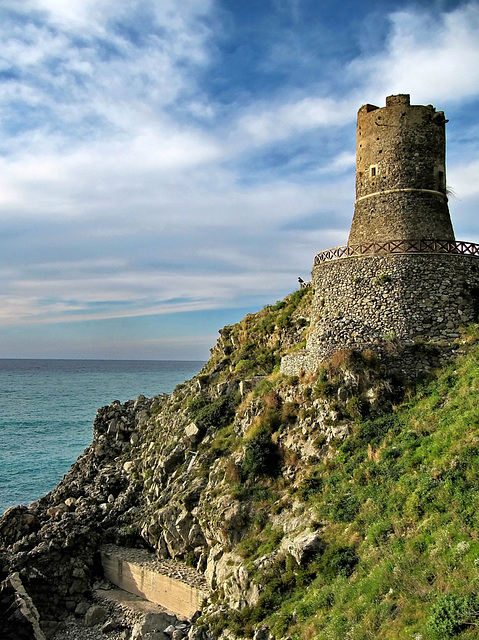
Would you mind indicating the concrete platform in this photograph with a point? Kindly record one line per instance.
(130, 601)
(172, 585)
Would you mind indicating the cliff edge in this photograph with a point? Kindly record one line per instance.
(332, 504)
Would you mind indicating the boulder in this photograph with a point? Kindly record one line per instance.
(302, 546)
(81, 608)
(58, 510)
(262, 633)
(110, 625)
(18, 615)
(95, 615)
(192, 432)
(197, 633)
(16, 523)
(153, 627)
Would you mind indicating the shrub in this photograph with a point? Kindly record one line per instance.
(261, 456)
(232, 472)
(342, 359)
(344, 562)
(339, 561)
(373, 431)
(311, 486)
(345, 508)
(452, 613)
(243, 367)
(207, 413)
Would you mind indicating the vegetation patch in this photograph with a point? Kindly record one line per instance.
(397, 500)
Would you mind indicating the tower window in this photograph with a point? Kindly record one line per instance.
(441, 179)
(373, 170)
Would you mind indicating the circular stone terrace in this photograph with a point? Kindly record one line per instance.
(455, 247)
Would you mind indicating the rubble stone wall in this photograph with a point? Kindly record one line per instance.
(400, 173)
(367, 301)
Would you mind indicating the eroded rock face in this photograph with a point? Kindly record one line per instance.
(156, 477)
(302, 546)
(20, 618)
(16, 523)
(53, 542)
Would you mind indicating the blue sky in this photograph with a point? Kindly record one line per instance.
(167, 167)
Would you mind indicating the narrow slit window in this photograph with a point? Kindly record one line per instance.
(373, 170)
(441, 181)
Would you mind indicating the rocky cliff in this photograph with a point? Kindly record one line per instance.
(243, 474)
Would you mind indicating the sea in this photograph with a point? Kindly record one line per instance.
(47, 408)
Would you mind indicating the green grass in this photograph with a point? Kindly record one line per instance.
(254, 346)
(400, 497)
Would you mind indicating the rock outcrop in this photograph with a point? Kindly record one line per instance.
(213, 476)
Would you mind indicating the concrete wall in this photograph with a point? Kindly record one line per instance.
(144, 581)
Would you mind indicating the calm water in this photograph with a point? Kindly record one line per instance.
(47, 409)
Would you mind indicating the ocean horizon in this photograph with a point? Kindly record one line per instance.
(48, 408)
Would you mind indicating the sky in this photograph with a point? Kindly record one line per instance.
(167, 167)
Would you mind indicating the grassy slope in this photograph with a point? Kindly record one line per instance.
(396, 501)
(398, 505)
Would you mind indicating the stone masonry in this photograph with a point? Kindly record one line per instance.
(402, 276)
(400, 173)
(363, 302)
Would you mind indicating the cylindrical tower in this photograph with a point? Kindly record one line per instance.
(400, 174)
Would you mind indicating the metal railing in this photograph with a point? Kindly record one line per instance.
(455, 247)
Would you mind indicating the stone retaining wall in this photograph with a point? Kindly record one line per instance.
(364, 302)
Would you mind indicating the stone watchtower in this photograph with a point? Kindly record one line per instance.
(402, 276)
(400, 174)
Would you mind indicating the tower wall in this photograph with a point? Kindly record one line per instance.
(402, 277)
(366, 302)
(400, 174)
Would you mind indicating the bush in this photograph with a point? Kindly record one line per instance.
(452, 613)
(336, 561)
(373, 431)
(243, 367)
(311, 486)
(343, 562)
(345, 508)
(207, 413)
(261, 456)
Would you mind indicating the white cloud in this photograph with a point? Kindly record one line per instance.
(167, 211)
(344, 160)
(432, 56)
(465, 180)
(98, 60)
(141, 293)
(265, 124)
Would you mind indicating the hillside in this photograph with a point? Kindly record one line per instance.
(341, 504)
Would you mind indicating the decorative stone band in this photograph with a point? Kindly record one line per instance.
(397, 247)
(386, 191)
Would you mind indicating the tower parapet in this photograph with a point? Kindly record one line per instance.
(400, 174)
